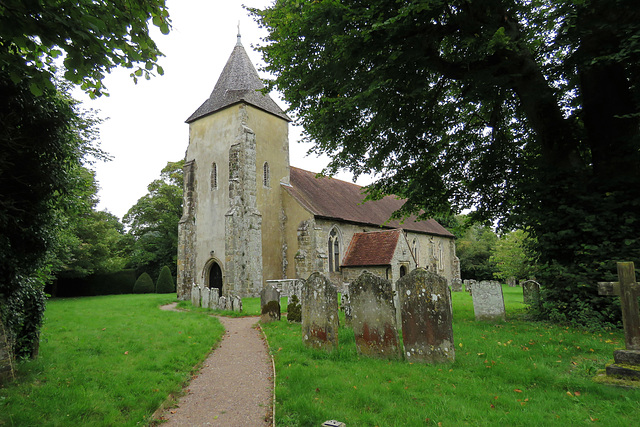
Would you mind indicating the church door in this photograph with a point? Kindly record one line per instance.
(215, 277)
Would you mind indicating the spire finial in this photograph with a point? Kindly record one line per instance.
(239, 42)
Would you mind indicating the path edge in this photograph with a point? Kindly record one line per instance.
(273, 368)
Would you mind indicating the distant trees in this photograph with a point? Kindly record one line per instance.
(153, 222)
(474, 249)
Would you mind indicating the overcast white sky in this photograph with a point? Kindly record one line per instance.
(145, 127)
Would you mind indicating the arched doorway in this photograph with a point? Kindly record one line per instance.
(215, 277)
(403, 271)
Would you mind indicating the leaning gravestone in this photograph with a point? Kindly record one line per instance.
(427, 329)
(531, 292)
(237, 304)
(319, 313)
(269, 304)
(195, 295)
(206, 297)
(373, 317)
(488, 302)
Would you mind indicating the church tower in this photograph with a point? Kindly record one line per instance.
(230, 234)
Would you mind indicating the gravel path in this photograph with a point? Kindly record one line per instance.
(234, 386)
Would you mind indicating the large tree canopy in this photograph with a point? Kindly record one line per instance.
(92, 37)
(525, 111)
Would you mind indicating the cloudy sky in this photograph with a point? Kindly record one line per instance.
(145, 128)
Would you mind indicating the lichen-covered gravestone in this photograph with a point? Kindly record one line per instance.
(195, 295)
(531, 292)
(373, 317)
(456, 285)
(488, 302)
(237, 304)
(269, 304)
(427, 328)
(206, 297)
(214, 298)
(319, 313)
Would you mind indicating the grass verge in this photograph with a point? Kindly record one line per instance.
(110, 360)
(516, 372)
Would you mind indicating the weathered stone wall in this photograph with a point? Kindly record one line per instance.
(187, 235)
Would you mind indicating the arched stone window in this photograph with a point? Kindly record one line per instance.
(265, 175)
(214, 176)
(333, 250)
(403, 270)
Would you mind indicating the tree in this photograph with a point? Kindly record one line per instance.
(510, 256)
(474, 249)
(526, 112)
(165, 283)
(143, 285)
(153, 222)
(91, 38)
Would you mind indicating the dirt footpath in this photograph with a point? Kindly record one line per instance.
(234, 386)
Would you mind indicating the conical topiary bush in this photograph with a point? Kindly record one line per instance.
(165, 284)
(144, 284)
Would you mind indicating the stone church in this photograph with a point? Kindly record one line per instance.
(250, 217)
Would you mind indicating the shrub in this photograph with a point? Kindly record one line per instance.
(165, 284)
(294, 310)
(144, 284)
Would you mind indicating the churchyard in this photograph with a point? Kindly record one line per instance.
(115, 359)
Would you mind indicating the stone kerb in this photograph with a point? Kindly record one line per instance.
(206, 297)
(319, 313)
(374, 317)
(269, 304)
(488, 302)
(195, 295)
(531, 292)
(427, 328)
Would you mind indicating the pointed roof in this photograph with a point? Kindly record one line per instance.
(332, 198)
(372, 248)
(239, 82)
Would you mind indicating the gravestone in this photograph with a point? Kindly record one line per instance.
(628, 290)
(222, 302)
(511, 282)
(469, 286)
(229, 303)
(237, 304)
(195, 295)
(531, 292)
(345, 304)
(456, 285)
(269, 304)
(214, 299)
(319, 313)
(488, 302)
(206, 297)
(427, 329)
(373, 317)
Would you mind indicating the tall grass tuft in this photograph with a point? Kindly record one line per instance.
(110, 360)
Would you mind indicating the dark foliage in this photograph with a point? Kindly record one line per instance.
(165, 283)
(144, 284)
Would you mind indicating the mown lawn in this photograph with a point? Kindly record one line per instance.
(106, 361)
(516, 372)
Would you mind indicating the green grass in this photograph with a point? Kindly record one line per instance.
(110, 360)
(516, 372)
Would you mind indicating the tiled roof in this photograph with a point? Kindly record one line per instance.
(239, 82)
(335, 199)
(372, 248)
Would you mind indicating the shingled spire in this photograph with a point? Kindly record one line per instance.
(239, 82)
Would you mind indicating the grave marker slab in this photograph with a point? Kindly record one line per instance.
(269, 304)
(214, 299)
(531, 292)
(195, 295)
(427, 329)
(456, 285)
(319, 313)
(206, 297)
(488, 301)
(373, 317)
